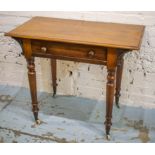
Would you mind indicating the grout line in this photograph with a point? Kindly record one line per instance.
(6, 105)
(52, 138)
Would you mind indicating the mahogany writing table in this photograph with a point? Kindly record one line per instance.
(82, 41)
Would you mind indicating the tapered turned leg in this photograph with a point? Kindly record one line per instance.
(33, 87)
(110, 87)
(53, 71)
(119, 79)
(109, 99)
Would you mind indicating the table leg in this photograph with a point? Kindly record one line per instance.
(109, 99)
(53, 71)
(110, 87)
(119, 79)
(33, 87)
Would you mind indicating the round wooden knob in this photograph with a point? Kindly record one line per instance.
(91, 53)
(44, 49)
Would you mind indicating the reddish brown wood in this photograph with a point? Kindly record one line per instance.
(119, 72)
(110, 88)
(82, 41)
(126, 36)
(27, 48)
(90, 54)
(33, 87)
(53, 71)
(63, 57)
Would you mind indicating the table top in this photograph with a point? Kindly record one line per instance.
(125, 36)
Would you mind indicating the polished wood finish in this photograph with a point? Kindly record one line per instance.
(65, 51)
(27, 48)
(82, 41)
(120, 63)
(124, 36)
(110, 88)
(33, 87)
(54, 73)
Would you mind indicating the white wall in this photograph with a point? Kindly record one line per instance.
(138, 86)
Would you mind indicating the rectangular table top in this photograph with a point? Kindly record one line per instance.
(125, 36)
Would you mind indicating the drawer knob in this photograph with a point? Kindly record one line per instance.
(44, 49)
(91, 53)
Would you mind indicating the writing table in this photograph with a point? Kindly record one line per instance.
(82, 41)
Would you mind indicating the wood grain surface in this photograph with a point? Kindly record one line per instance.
(114, 35)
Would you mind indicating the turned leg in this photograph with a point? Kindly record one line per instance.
(109, 99)
(119, 79)
(33, 87)
(53, 71)
(110, 87)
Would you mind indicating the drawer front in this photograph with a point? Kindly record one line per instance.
(69, 51)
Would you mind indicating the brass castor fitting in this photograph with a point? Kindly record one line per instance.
(108, 137)
(38, 122)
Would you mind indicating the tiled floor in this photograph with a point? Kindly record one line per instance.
(69, 119)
